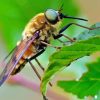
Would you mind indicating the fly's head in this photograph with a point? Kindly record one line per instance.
(54, 16)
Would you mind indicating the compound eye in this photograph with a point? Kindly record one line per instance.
(52, 16)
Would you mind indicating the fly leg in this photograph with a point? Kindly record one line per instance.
(29, 60)
(60, 35)
(41, 68)
(34, 57)
(39, 64)
(39, 53)
(33, 67)
(65, 42)
(67, 26)
(47, 44)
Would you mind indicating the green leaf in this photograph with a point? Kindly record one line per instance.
(88, 85)
(90, 33)
(97, 97)
(93, 71)
(68, 54)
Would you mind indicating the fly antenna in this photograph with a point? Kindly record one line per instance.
(71, 17)
(60, 5)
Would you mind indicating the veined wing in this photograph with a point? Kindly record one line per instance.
(16, 56)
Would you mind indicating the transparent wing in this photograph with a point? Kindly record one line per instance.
(9, 54)
(16, 56)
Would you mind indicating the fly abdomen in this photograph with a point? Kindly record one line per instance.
(30, 52)
(19, 66)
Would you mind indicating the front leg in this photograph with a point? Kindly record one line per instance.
(60, 35)
(47, 44)
(61, 31)
(67, 26)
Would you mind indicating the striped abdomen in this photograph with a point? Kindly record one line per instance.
(31, 51)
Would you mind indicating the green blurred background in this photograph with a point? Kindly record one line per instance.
(14, 15)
